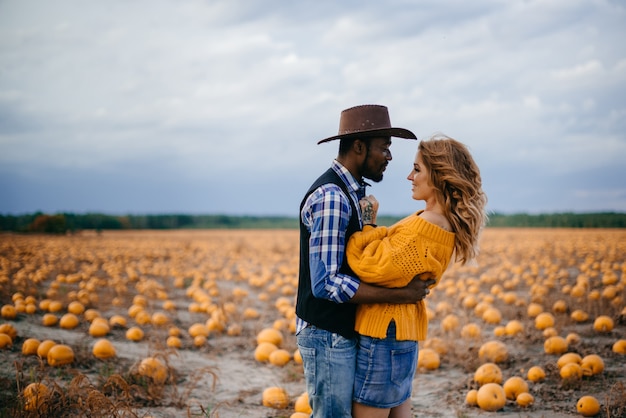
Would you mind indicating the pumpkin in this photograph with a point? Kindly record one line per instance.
(493, 351)
(572, 338)
(514, 327)
(525, 399)
(571, 371)
(544, 320)
(30, 346)
(134, 334)
(470, 331)
(199, 341)
(44, 347)
(302, 404)
(69, 321)
(9, 330)
(143, 318)
(513, 386)
(490, 397)
(488, 373)
(76, 308)
(160, 319)
(560, 306)
(173, 331)
(8, 312)
(103, 349)
(437, 344)
(297, 356)
(117, 321)
(492, 316)
(55, 306)
(549, 332)
(5, 340)
(536, 374)
(588, 406)
(234, 330)
(154, 369)
(279, 357)
(555, 345)
(603, 323)
(99, 328)
(34, 395)
(91, 314)
(49, 320)
(251, 313)
(592, 365)
(263, 351)
(568, 358)
(60, 355)
(275, 397)
(174, 342)
(428, 359)
(579, 315)
(450, 323)
(534, 309)
(270, 335)
(198, 329)
(619, 347)
(471, 396)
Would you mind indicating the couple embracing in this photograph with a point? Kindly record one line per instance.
(360, 306)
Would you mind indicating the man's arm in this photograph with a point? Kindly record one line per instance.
(415, 291)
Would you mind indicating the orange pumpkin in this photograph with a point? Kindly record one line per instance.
(34, 395)
(592, 365)
(103, 349)
(279, 357)
(302, 404)
(44, 347)
(491, 397)
(270, 335)
(154, 369)
(588, 406)
(30, 346)
(603, 323)
(493, 351)
(471, 397)
(525, 399)
(536, 374)
(275, 397)
(513, 386)
(60, 355)
(488, 373)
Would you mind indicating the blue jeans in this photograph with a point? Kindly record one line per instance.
(329, 364)
(385, 370)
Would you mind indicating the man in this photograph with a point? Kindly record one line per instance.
(328, 290)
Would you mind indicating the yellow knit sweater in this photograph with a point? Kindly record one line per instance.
(391, 257)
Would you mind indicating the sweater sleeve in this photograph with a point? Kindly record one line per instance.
(370, 256)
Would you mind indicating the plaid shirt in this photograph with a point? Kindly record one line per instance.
(326, 214)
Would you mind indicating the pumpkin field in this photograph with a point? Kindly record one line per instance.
(200, 323)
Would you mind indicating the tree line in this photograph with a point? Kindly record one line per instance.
(61, 223)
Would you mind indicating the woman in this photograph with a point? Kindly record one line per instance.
(448, 180)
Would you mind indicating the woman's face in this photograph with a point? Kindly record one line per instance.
(420, 178)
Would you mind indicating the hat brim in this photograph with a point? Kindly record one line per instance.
(393, 132)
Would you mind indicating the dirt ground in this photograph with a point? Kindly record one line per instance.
(222, 378)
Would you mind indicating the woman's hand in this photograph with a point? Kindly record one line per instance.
(369, 209)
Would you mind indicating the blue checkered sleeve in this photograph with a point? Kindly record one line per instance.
(326, 214)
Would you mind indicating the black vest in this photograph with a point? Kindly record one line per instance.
(325, 314)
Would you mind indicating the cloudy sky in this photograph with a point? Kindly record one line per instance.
(215, 106)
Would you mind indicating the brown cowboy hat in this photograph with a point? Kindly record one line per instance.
(367, 121)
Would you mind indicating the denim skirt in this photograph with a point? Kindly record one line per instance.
(384, 370)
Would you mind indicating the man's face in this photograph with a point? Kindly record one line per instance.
(377, 157)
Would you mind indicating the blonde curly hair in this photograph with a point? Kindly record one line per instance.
(456, 179)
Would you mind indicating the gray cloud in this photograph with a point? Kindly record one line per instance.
(160, 106)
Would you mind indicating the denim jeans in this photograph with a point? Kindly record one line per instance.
(329, 364)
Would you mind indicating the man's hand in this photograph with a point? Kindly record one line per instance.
(420, 285)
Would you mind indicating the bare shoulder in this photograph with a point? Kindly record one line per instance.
(437, 219)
